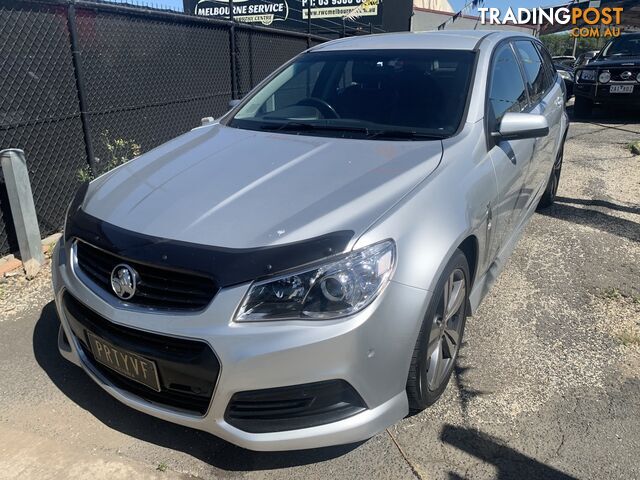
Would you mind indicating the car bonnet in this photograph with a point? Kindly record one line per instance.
(234, 188)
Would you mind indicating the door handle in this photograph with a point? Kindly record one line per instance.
(559, 101)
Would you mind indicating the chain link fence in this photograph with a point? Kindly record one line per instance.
(83, 83)
(258, 52)
(39, 110)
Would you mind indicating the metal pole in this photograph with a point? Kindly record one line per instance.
(23, 210)
(575, 45)
(82, 96)
(232, 48)
(309, 25)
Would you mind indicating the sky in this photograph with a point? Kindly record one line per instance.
(456, 4)
(504, 4)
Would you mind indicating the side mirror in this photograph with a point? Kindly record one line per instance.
(234, 103)
(517, 126)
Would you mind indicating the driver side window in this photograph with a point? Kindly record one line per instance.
(507, 92)
(297, 88)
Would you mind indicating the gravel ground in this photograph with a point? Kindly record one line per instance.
(547, 386)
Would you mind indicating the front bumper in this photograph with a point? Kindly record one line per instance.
(371, 351)
(601, 94)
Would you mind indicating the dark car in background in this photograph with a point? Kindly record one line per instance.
(585, 58)
(567, 60)
(568, 76)
(612, 78)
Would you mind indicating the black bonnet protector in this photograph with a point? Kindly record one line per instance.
(227, 266)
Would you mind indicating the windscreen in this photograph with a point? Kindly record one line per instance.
(407, 94)
(623, 47)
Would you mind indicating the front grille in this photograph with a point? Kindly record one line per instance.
(293, 407)
(158, 288)
(187, 369)
(617, 72)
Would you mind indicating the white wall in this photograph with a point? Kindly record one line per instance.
(440, 5)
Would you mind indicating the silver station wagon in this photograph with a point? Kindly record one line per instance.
(298, 273)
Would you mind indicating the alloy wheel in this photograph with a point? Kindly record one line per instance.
(446, 330)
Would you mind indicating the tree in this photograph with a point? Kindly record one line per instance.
(562, 44)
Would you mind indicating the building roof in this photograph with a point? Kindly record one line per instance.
(426, 19)
(445, 40)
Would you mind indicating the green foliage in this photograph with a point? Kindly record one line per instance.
(119, 151)
(562, 44)
(629, 338)
(635, 147)
(611, 293)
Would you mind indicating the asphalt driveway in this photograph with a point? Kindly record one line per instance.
(548, 383)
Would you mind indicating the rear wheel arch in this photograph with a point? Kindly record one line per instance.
(563, 138)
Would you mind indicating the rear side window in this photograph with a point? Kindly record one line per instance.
(547, 62)
(507, 92)
(539, 81)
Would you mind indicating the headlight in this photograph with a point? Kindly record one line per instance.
(337, 288)
(565, 75)
(604, 77)
(589, 75)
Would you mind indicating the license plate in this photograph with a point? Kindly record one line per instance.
(125, 363)
(621, 89)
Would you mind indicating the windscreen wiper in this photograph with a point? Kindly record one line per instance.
(369, 133)
(404, 134)
(303, 126)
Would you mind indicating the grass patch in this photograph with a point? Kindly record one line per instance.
(49, 249)
(162, 467)
(611, 294)
(629, 339)
(634, 147)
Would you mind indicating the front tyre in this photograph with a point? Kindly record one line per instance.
(440, 336)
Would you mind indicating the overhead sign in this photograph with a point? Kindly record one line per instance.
(249, 11)
(291, 14)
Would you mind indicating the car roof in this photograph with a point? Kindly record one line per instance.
(443, 39)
